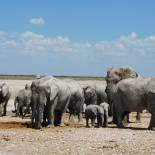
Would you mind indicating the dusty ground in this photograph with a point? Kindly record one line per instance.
(16, 138)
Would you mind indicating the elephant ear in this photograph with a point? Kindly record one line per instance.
(53, 92)
(5, 89)
(109, 70)
(128, 72)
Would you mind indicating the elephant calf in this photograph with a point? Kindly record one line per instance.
(97, 111)
(22, 102)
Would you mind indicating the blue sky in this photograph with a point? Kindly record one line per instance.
(70, 37)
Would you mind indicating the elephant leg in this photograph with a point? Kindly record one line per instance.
(138, 120)
(152, 121)
(71, 118)
(93, 122)
(23, 112)
(45, 114)
(100, 119)
(50, 112)
(114, 119)
(87, 122)
(80, 117)
(63, 112)
(15, 105)
(120, 121)
(18, 109)
(4, 108)
(105, 124)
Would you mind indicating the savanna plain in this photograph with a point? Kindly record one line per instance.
(72, 139)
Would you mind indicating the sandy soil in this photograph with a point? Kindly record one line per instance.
(16, 138)
(75, 139)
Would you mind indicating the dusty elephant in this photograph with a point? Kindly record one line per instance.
(90, 95)
(114, 76)
(4, 97)
(134, 95)
(53, 98)
(97, 111)
(76, 102)
(22, 101)
(92, 89)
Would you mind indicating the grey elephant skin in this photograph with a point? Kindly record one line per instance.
(97, 111)
(76, 102)
(4, 97)
(90, 95)
(134, 95)
(114, 76)
(52, 100)
(22, 102)
(93, 91)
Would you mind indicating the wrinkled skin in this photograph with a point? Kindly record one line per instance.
(92, 112)
(77, 99)
(134, 95)
(90, 95)
(90, 87)
(4, 98)
(33, 105)
(105, 107)
(22, 102)
(91, 98)
(53, 98)
(114, 76)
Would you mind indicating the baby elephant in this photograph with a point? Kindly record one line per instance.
(97, 111)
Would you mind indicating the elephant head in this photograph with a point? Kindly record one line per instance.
(90, 95)
(114, 75)
(3, 90)
(4, 97)
(46, 95)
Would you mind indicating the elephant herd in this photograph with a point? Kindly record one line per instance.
(47, 99)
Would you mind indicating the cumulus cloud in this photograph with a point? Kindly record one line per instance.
(37, 21)
(34, 43)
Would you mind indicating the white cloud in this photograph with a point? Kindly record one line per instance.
(37, 21)
(34, 43)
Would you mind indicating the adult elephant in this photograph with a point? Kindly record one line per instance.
(77, 99)
(134, 95)
(52, 100)
(114, 76)
(4, 97)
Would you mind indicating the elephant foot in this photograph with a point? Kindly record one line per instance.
(120, 125)
(30, 126)
(105, 125)
(150, 127)
(14, 111)
(38, 127)
(50, 126)
(44, 124)
(62, 125)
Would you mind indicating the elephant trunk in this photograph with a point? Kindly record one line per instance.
(41, 102)
(110, 91)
